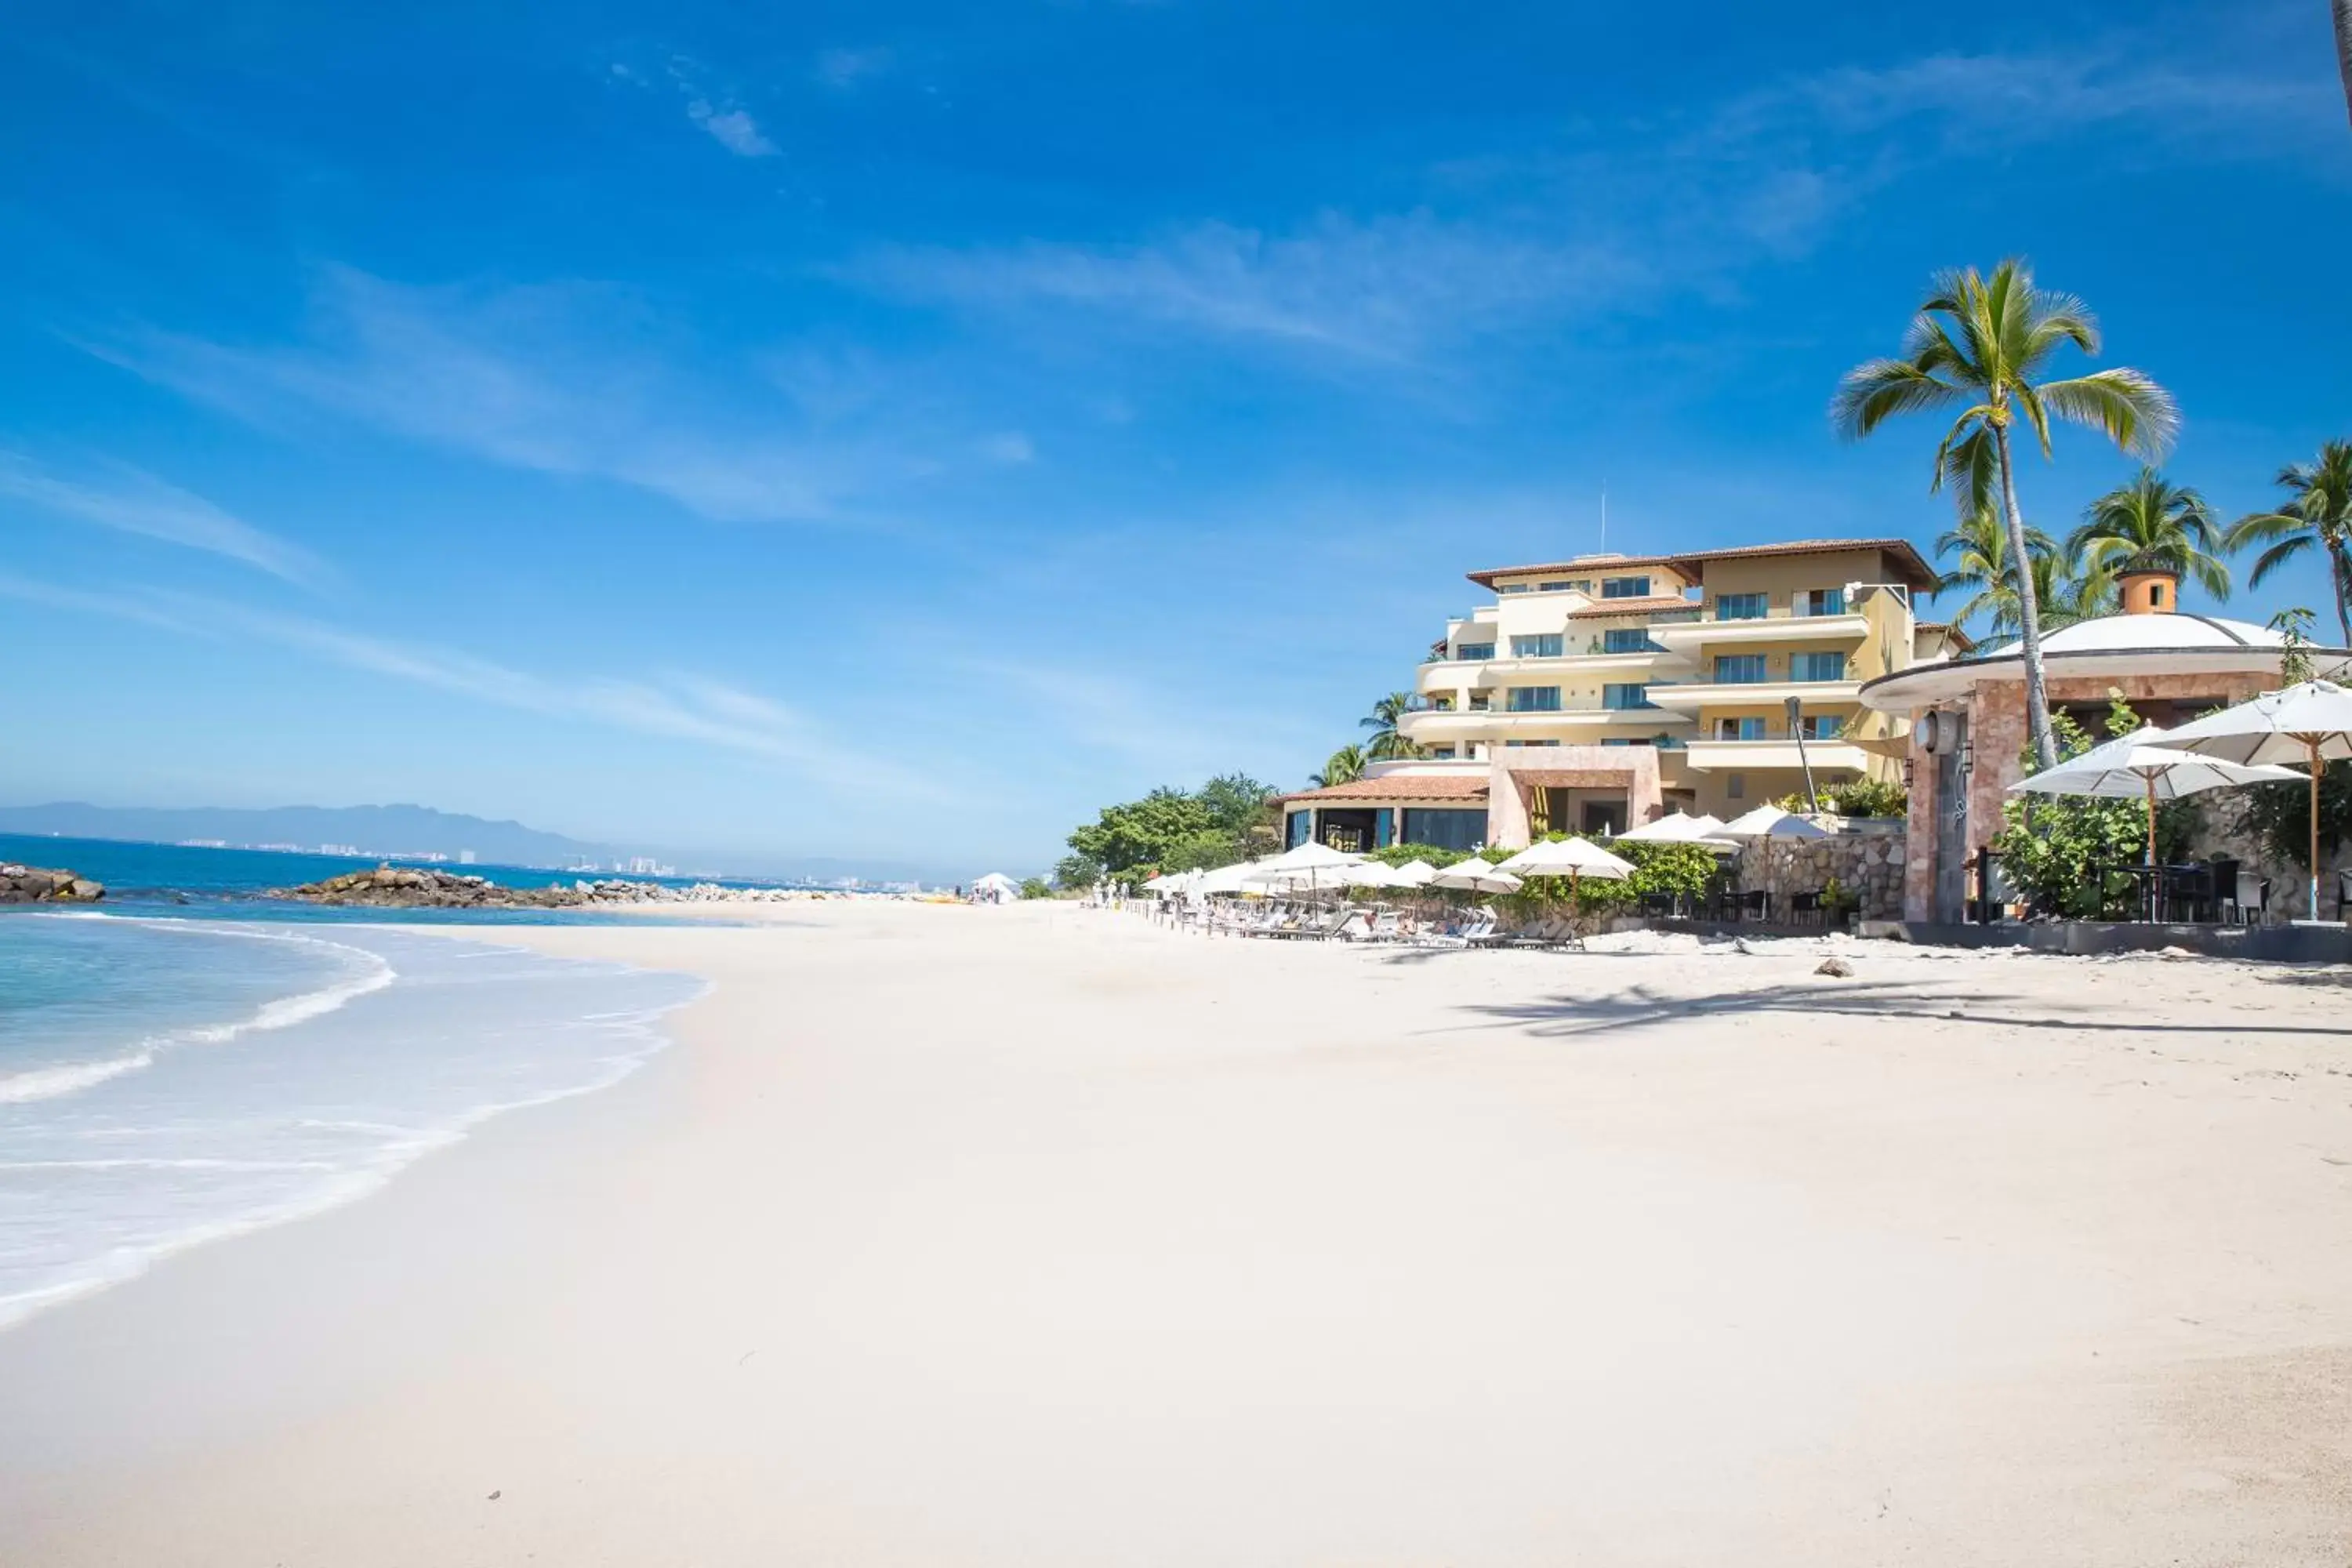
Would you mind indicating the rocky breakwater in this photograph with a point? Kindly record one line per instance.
(415, 887)
(36, 885)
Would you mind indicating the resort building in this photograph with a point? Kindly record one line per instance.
(1598, 694)
(1966, 736)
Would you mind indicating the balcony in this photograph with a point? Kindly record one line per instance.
(1442, 676)
(1689, 697)
(1775, 752)
(1686, 637)
(1445, 726)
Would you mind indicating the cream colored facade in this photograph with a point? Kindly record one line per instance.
(1695, 655)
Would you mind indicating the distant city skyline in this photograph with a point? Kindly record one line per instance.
(889, 435)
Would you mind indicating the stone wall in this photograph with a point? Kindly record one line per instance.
(1864, 855)
(2290, 883)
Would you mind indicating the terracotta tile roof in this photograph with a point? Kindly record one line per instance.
(1402, 786)
(1908, 559)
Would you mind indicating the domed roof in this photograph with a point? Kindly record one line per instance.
(2151, 633)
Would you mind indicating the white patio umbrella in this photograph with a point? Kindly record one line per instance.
(1309, 864)
(1224, 878)
(1373, 873)
(2309, 722)
(1478, 877)
(2145, 764)
(1415, 874)
(1679, 828)
(1770, 822)
(1575, 858)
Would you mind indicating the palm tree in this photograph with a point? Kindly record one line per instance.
(2065, 596)
(1346, 766)
(1387, 740)
(1976, 345)
(2317, 517)
(2344, 49)
(2153, 525)
(1982, 565)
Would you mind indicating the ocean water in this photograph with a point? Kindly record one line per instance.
(206, 883)
(165, 1081)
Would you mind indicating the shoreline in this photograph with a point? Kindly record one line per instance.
(1102, 1238)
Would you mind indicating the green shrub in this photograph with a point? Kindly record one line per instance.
(1036, 887)
(1854, 798)
(2068, 853)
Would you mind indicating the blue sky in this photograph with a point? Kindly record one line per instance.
(859, 429)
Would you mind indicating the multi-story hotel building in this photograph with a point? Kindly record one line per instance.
(1601, 692)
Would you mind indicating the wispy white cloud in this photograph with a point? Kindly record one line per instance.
(733, 129)
(1009, 446)
(698, 710)
(553, 379)
(130, 501)
(842, 70)
(1378, 290)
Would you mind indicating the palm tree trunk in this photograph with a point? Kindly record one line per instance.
(2028, 613)
(2344, 49)
(2341, 557)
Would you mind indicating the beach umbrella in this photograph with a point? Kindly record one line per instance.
(1310, 864)
(1224, 878)
(2309, 722)
(1675, 828)
(1415, 874)
(1575, 858)
(1706, 832)
(1373, 873)
(2145, 764)
(1478, 877)
(1770, 822)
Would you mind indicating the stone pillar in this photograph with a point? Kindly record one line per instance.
(1920, 837)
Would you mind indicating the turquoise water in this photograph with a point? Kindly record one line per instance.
(215, 884)
(165, 1081)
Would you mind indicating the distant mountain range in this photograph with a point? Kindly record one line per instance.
(402, 830)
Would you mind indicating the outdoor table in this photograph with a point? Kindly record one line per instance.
(2157, 886)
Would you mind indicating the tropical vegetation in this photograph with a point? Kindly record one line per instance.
(1345, 765)
(1387, 740)
(2153, 525)
(1232, 817)
(2316, 520)
(1980, 343)
(2069, 854)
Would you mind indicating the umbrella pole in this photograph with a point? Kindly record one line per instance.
(2313, 741)
(2155, 878)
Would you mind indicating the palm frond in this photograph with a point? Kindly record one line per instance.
(2126, 405)
(1871, 393)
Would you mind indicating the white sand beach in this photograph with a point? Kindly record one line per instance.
(1040, 1236)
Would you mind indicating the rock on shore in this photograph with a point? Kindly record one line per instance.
(414, 888)
(419, 888)
(35, 885)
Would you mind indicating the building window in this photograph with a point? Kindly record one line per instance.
(1817, 667)
(1739, 668)
(1741, 607)
(1442, 753)
(1740, 729)
(1624, 587)
(1619, 696)
(1511, 588)
(1545, 645)
(1531, 742)
(1296, 829)
(1531, 700)
(1627, 640)
(1822, 602)
(1474, 650)
(1669, 742)
(1461, 831)
(1551, 587)
(1734, 787)
(1821, 726)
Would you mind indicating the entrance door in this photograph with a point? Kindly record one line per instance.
(1604, 817)
(1951, 827)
